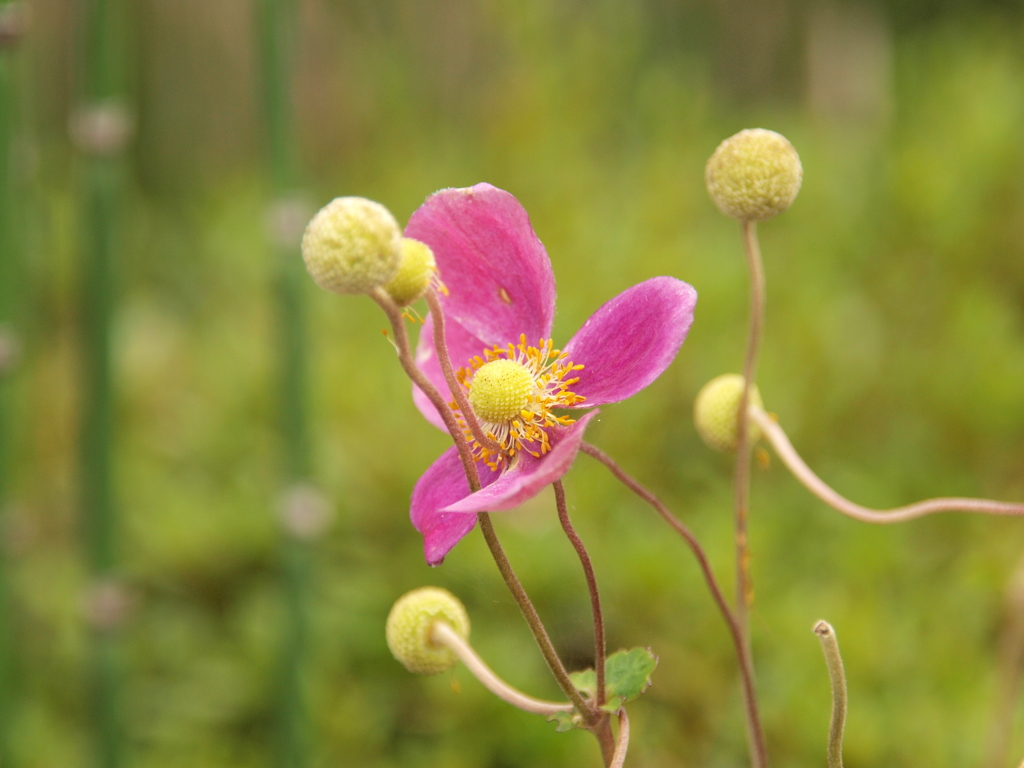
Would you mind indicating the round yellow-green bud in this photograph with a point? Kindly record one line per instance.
(415, 271)
(754, 175)
(352, 245)
(716, 411)
(500, 390)
(410, 623)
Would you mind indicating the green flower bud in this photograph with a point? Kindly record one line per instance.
(415, 271)
(754, 175)
(352, 245)
(409, 625)
(716, 411)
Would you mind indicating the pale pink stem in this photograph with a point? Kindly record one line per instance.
(442, 634)
(775, 435)
(619, 758)
(741, 482)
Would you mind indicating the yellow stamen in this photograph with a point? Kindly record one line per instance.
(513, 391)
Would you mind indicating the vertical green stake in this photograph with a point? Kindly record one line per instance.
(100, 129)
(287, 217)
(10, 33)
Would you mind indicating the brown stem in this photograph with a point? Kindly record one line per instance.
(595, 597)
(603, 732)
(751, 712)
(457, 390)
(547, 648)
(405, 357)
(540, 635)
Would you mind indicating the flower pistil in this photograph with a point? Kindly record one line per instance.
(513, 391)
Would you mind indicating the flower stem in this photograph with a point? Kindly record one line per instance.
(751, 712)
(619, 758)
(741, 485)
(457, 390)
(540, 634)
(776, 436)
(595, 597)
(741, 478)
(1011, 665)
(442, 634)
(838, 679)
(408, 363)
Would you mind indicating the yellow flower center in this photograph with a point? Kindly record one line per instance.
(512, 392)
(500, 390)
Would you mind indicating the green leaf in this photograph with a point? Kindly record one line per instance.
(585, 681)
(567, 721)
(628, 674)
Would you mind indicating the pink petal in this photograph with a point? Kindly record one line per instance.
(461, 344)
(530, 476)
(444, 482)
(631, 340)
(497, 271)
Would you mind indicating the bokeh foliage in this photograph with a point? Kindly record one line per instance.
(894, 357)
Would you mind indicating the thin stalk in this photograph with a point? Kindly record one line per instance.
(540, 634)
(9, 258)
(442, 634)
(277, 42)
(458, 392)
(830, 646)
(741, 478)
(1011, 665)
(595, 597)
(408, 363)
(741, 484)
(751, 711)
(101, 129)
(619, 758)
(778, 439)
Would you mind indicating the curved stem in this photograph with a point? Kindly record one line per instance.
(457, 390)
(775, 435)
(394, 313)
(595, 597)
(619, 758)
(830, 646)
(540, 634)
(442, 634)
(751, 712)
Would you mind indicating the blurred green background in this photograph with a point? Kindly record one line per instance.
(894, 357)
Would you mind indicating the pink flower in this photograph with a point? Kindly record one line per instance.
(501, 301)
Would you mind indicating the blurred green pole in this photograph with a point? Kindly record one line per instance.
(11, 18)
(100, 129)
(286, 219)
